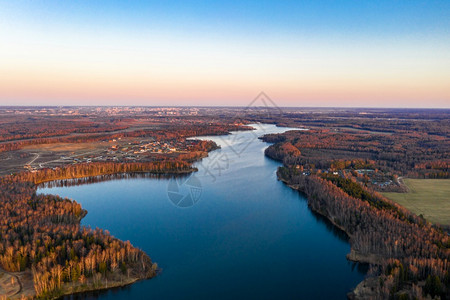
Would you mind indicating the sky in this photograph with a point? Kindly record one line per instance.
(205, 53)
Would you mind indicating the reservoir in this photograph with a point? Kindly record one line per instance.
(230, 230)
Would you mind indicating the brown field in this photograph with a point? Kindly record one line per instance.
(62, 147)
(47, 155)
(54, 154)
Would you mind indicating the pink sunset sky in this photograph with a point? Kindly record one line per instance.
(153, 55)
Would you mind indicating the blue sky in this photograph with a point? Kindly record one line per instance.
(304, 53)
(360, 19)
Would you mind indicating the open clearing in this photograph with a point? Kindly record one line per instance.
(47, 155)
(429, 197)
(63, 147)
(9, 286)
(15, 285)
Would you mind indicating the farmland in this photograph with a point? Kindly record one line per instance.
(427, 197)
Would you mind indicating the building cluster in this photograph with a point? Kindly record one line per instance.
(119, 150)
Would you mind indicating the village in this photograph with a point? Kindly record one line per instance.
(113, 150)
(373, 178)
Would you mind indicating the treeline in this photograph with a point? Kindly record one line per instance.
(38, 127)
(102, 178)
(408, 253)
(435, 122)
(355, 190)
(417, 155)
(43, 233)
(103, 168)
(206, 146)
(175, 132)
(281, 150)
(379, 228)
(196, 150)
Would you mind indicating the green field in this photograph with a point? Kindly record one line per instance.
(429, 197)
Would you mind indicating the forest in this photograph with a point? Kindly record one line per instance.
(336, 170)
(169, 132)
(43, 233)
(416, 155)
(340, 163)
(96, 169)
(405, 249)
(375, 120)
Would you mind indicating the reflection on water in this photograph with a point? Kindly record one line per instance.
(101, 178)
(247, 236)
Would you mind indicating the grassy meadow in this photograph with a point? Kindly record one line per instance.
(429, 197)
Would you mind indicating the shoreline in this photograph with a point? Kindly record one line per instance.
(118, 279)
(364, 289)
(26, 286)
(102, 288)
(78, 288)
(352, 255)
(179, 172)
(74, 289)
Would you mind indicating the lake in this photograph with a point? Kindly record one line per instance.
(231, 230)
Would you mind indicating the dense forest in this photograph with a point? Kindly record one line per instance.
(431, 121)
(410, 256)
(339, 164)
(103, 178)
(95, 169)
(43, 233)
(408, 248)
(33, 127)
(416, 155)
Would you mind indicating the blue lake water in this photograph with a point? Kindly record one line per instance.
(244, 235)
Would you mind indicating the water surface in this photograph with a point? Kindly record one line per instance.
(247, 235)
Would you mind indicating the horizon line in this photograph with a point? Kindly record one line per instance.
(2, 106)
